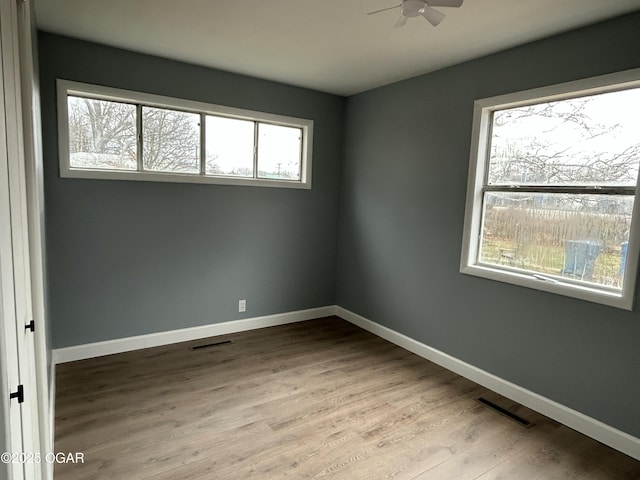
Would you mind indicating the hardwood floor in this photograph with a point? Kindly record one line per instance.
(311, 400)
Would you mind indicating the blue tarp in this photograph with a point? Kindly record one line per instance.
(580, 258)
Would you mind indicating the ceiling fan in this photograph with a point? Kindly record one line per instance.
(416, 8)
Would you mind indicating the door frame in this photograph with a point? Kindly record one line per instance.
(25, 356)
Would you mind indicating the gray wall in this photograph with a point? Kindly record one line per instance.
(402, 209)
(129, 258)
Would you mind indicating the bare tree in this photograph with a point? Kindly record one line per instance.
(171, 140)
(539, 153)
(102, 134)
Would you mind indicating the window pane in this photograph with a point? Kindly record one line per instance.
(102, 134)
(229, 146)
(171, 140)
(279, 152)
(583, 237)
(592, 140)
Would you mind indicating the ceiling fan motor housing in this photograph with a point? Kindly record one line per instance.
(413, 8)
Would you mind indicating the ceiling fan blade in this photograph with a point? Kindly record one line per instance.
(444, 3)
(433, 16)
(401, 21)
(384, 9)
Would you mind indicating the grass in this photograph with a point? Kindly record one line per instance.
(549, 259)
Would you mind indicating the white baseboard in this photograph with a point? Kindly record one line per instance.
(119, 345)
(591, 427)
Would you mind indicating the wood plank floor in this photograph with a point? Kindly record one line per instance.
(321, 399)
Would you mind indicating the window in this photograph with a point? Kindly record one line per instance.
(107, 133)
(92, 141)
(170, 141)
(551, 194)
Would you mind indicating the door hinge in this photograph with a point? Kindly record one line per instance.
(31, 326)
(19, 394)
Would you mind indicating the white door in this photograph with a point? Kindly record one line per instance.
(10, 372)
(19, 387)
(9, 347)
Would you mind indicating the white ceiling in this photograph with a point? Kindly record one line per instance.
(327, 45)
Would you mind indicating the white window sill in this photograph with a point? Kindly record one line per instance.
(611, 297)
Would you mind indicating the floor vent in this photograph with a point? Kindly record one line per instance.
(505, 412)
(217, 344)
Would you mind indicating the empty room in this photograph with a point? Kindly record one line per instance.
(344, 240)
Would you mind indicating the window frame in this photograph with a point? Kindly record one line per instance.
(66, 88)
(477, 184)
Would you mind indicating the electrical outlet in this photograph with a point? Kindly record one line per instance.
(242, 305)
